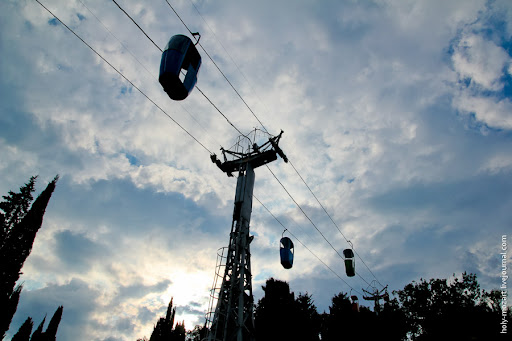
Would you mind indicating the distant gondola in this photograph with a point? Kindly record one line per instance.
(355, 303)
(286, 252)
(180, 55)
(350, 265)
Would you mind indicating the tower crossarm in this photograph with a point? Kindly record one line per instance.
(259, 156)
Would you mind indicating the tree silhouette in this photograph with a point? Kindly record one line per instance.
(18, 228)
(274, 313)
(428, 310)
(14, 208)
(24, 332)
(391, 321)
(179, 332)
(50, 334)
(443, 310)
(279, 316)
(343, 320)
(308, 320)
(197, 334)
(164, 331)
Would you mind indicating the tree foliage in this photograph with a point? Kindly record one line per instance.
(15, 206)
(24, 332)
(197, 334)
(279, 316)
(18, 228)
(439, 309)
(164, 330)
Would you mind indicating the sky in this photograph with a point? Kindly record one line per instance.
(397, 114)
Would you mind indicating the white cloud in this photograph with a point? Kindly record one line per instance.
(495, 113)
(480, 60)
(501, 162)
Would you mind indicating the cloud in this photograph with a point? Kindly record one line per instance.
(490, 110)
(139, 290)
(481, 61)
(78, 252)
(78, 298)
(145, 315)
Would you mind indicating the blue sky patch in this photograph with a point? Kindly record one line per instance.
(133, 160)
(125, 89)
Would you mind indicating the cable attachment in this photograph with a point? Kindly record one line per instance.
(282, 235)
(274, 141)
(197, 39)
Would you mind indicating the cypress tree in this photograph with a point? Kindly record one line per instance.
(164, 331)
(51, 331)
(19, 227)
(24, 332)
(9, 304)
(15, 207)
(38, 333)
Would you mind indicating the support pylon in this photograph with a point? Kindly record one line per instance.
(234, 318)
(376, 296)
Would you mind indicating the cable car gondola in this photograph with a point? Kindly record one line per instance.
(179, 54)
(350, 263)
(286, 251)
(355, 303)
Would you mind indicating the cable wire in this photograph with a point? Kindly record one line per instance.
(202, 93)
(158, 47)
(309, 188)
(307, 248)
(113, 35)
(218, 68)
(176, 13)
(238, 130)
(311, 221)
(232, 60)
(149, 72)
(195, 139)
(296, 171)
(305, 214)
(122, 75)
(220, 112)
(332, 220)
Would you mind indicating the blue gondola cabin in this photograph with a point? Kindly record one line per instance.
(350, 263)
(179, 67)
(286, 251)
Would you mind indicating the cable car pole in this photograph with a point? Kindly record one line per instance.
(376, 296)
(234, 318)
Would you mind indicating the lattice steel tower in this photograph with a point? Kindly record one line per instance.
(233, 318)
